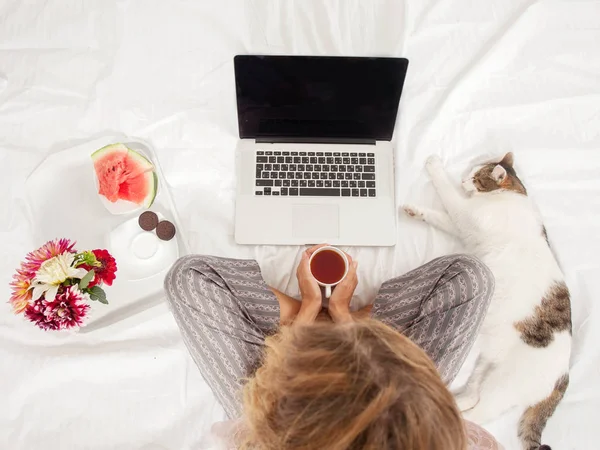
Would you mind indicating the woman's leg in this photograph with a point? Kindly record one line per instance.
(440, 306)
(224, 310)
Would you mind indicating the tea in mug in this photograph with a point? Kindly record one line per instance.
(328, 266)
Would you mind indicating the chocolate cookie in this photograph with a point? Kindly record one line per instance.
(165, 230)
(148, 221)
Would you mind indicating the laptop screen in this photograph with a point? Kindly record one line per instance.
(318, 97)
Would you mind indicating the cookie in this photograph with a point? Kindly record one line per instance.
(148, 221)
(165, 230)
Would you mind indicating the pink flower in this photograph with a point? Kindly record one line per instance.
(67, 310)
(50, 249)
(21, 293)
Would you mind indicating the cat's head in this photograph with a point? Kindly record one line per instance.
(494, 176)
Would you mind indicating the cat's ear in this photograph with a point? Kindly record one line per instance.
(499, 174)
(508, 160)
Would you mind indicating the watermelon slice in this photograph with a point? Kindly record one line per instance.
(124, 174)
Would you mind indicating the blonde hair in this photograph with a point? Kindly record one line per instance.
(354, 386)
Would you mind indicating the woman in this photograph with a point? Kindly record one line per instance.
(357, 383)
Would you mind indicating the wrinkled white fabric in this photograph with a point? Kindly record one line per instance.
(484, 77)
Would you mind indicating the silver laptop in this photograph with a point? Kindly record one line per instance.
(314, 161)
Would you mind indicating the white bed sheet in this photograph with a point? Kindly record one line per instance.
(484, 77)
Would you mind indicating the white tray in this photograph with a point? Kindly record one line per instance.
(63, 202)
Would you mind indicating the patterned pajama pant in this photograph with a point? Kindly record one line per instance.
(225, 310)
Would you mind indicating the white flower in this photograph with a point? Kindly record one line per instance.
(52, 273)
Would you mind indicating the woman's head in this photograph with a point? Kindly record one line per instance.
(355, 386)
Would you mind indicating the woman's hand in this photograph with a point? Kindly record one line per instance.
(310, 291)
(339, 303)
(309, 288)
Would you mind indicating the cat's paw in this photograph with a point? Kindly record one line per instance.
(413, 212)
(433, 163)
(466, 401)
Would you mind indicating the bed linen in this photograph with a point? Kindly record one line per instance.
(484, 78)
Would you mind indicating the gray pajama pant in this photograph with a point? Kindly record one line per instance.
(225, 310)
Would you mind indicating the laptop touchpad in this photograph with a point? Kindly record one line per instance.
(315, 221)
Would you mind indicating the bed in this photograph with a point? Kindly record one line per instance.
(484, 78)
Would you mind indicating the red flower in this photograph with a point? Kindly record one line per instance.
(105, 273)
(67, 310)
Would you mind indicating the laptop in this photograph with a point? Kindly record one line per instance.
(314, 160)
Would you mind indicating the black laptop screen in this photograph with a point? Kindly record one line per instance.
(318, 97)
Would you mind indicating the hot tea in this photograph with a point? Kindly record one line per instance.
(328, 267)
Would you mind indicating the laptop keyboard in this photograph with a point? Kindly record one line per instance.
(315, 174)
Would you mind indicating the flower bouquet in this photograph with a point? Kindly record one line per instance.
(55, 284)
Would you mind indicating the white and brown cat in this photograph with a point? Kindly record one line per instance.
(525, 339)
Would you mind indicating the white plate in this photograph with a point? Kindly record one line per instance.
(141, 254)
(63, 202)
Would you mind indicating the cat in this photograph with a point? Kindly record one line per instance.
(525, 339)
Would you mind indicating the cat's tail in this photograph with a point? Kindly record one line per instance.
(533, 421)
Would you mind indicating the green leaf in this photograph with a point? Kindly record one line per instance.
(98, 294)
(85, 281)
